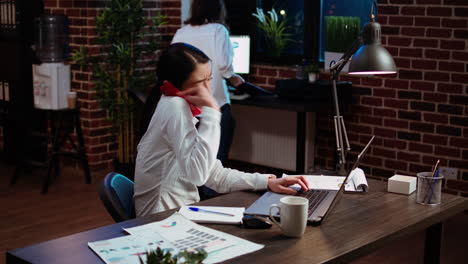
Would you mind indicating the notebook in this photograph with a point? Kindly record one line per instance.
(321, 202)
(203, 216)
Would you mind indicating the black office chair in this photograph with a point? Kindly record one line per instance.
(116, 193)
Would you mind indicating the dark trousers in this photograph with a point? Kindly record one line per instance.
(228, 125)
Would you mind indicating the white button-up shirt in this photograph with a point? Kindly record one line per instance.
(174, 158)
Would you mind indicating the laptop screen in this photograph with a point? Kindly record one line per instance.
(241, 62)
(341, 190)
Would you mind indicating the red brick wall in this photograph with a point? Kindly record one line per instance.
(265, 75)
(100, 145)
(418, 115)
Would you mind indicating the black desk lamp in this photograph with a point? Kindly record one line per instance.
(371, 58)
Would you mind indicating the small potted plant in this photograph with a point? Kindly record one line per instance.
(313, 71)
(159, 256)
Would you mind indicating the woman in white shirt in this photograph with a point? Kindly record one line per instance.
(174, 156)
(205, 29)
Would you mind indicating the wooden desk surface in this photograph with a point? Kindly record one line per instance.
(358, 225)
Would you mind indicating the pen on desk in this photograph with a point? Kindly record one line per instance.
(196, 209)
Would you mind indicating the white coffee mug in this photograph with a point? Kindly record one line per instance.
(293, 213)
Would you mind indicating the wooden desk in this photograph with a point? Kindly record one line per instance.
(358, 225)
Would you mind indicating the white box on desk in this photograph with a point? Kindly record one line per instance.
(401, 184)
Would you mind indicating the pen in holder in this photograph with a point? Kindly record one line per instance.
(429, 188)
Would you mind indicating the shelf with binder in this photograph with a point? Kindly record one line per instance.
(17, 114)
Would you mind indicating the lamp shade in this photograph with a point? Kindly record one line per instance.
(371, 57)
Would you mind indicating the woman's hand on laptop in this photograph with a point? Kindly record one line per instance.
(281, 185)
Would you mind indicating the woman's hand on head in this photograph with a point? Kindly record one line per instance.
(281, 185)
(200, 96)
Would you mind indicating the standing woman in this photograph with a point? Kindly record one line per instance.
(174, 157)
(206, 30)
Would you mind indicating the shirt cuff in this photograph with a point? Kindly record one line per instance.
(209, 113)
(228, 75)
(262, 181)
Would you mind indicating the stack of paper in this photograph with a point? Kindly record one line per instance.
(174, 234)
(207, 214)
(356, 182)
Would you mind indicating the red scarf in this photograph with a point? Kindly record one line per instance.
(169, 89)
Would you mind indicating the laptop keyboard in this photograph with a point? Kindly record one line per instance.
(315, 197)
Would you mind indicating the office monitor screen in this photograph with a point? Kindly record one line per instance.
(241, 62)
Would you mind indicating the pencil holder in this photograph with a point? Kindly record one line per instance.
(429, 189)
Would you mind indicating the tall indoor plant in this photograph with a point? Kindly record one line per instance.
(127, 45)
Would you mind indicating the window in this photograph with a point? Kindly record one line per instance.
(306, 18)
(361, 9)
(304, 25)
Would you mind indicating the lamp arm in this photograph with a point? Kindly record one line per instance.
(341, 136)
(338, 67)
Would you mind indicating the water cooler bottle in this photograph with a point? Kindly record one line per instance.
(51, 78)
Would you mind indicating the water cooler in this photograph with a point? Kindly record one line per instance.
(51, 83)
(51, 78)
(61, 134)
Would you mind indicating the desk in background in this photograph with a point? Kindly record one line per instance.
(279, 131)
(358, 225)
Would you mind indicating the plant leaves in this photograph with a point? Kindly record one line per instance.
(127, 40)
(276, 32)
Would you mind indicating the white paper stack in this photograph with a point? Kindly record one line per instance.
(206, 217)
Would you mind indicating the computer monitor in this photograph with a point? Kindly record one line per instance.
(241, 62)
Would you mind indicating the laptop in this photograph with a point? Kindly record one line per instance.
(321, 202)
